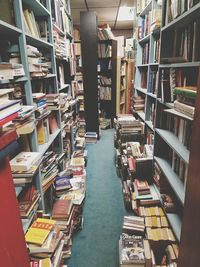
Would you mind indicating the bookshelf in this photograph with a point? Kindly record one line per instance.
(109, 72)
(89, 69)
(147, 34)
(17, 35)
(175, 129)
(121, 95)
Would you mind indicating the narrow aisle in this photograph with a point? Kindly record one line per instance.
(96, 245)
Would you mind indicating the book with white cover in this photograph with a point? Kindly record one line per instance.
(24, 161)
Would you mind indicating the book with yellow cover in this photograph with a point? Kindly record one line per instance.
(39, 231)
(41, 263)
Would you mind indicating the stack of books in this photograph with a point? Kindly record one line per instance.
(10, 71)
(62, 182)
(40, 104)
(133, 224)
(145, 194)
(91, 137)
(38, 66)
(52, 101)
(45, 240)
(138, 103)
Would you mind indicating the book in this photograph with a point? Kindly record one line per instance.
(61, 209)
(41, 263)
(8, 108)
(7, 135)
(39, 231)
(24, 161)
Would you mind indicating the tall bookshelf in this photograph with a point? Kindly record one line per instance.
(108, 68)
(174, 145)
(16, 36)
(146, 76)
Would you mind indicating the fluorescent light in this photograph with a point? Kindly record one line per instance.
(126, 13)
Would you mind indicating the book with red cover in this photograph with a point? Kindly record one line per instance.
(61, 209)
(8, 118)
(132, 164)
(13, 251)
(6, 137)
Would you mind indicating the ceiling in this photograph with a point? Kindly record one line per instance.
(107, 11)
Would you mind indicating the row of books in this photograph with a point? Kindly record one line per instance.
(105, 33)
(104, 50)
(176, 8)
(145, 53)
(35, 26)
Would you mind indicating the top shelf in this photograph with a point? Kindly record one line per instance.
(146, 9)
(184, 19)
(36, 7)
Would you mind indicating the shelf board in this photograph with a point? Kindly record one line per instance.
(68, 35)
(151, 95)
(173, 179)
(181, 65)
(43, 148)
(105, 41)
(146, 9)
(144, 91)
(141, 115)
(167, 104)
(103, 58)
(153, 64)
(143, 66)
(184, 19)
(48, 76)
(179, 114)
(176, 224)
(58, 29)
(174, 143)
(64, 87)
(156, 31)
(145, 39)
(8, 30)
(36, 7)
(37, 42)
(18, 80)
(18, 190)
(150, 125)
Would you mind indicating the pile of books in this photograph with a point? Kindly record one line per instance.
(128, 128)
(53, 101)
(59, 43)
(10, 71)
(133, 224)
(138, 103)
(45, 240)
(40, 104)
(38, 65)
(91, 137)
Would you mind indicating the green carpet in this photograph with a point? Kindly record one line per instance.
(96, 245)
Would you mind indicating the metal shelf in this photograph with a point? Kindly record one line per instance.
(43, 148)
(146, 9)
(176, 224)
(173, 179)
(36, 7)
(174, 143)
(179, 114)
(37, 42)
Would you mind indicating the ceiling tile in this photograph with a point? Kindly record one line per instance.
(103, 3)
(105, 13)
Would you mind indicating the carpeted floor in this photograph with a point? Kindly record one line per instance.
(96, 245)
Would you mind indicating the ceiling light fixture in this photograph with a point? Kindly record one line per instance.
(126, 13)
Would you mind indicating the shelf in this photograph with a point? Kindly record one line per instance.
(146, 9)
(48, 76)
(151, 95)
(167, 104)
(181, 65)
(156, 31)
(58, 30)
(176, 224)
(34, 41)
(174, 143)
(173, 179)
(141, 115)
(144, 91)
(64, 87)
(150, 125)
(103, 58)
(36, 7)
(184, 19)
(68, 35)
(18, 190)
(8, 30)
(18, 80)
(26, 223)
(145, 39)
(43, 148)
(179, 114)
(143, 66)
(153, 64)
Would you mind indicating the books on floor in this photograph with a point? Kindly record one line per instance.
(91, 137)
